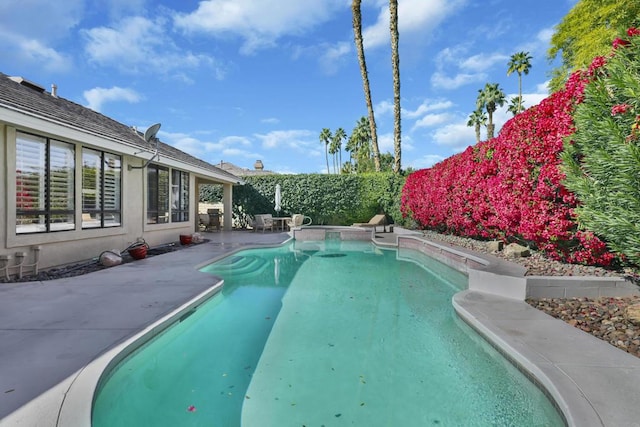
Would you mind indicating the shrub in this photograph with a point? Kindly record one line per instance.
(602, 159)
(327, 199)
(510, 187)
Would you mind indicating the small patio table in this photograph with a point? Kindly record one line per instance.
(280, 222)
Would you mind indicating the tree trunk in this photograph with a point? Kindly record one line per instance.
(326, 156)
(395, 59)
(357, 31)
(490, 128)
(520, 108)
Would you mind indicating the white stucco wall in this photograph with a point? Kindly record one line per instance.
(58, 248)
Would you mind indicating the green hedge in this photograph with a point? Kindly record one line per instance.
(327, 199)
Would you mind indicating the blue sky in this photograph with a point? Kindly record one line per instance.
(241, 80)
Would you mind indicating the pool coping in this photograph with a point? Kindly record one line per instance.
(74, 411)
(591, 382)
(69, 402)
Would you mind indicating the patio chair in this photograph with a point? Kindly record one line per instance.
(380, 219)
(298, 220)
(210, 220)
(214, 218)
(262, 222)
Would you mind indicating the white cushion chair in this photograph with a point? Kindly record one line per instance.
(298, 220)
(263, 221)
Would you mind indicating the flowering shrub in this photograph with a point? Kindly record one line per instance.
(510, 187)
(602, 159)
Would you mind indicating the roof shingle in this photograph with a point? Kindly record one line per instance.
(42, 104)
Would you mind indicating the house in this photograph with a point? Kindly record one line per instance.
(76, 183)
(258, 169)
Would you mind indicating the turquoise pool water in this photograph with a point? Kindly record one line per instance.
(323, 334)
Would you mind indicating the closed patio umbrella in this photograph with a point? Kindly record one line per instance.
(278, 198)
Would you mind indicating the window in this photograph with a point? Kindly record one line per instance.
(101, 189)
(179, 196)
(45, 188)
(157, 195)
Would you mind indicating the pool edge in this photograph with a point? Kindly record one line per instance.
(585, 391)
(69, 388)
(77, 406)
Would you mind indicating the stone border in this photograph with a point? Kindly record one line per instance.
(493, 275)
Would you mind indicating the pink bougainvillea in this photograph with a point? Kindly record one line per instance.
(509, 187)
(619, 42)
(619, 109)
(631, 32)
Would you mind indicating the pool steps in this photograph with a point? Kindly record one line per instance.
(246, 265)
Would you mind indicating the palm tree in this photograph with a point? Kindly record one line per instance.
(357, 31)
(520, 63)
(338, 136)
(325, 137)
(477, 119)
(515, 106)
(490, 97)
(359, 145)
(395, 60)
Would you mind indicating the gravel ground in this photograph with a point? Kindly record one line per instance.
(614, 320)
(80, 268)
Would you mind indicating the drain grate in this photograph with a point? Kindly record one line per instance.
(332, 255)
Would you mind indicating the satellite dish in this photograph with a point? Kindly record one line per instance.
(149, 136)
(151, 132)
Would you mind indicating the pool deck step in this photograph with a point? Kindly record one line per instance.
(244, 265)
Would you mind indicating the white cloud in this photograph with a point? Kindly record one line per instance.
(544, 35)
(482, 61)
(427, 106)
(502, 115)
(543, 87)
(456, 135)
(385, 143)
(444, 81)
(97, 96)
(531, 99)
(119, 8)
(415, 17)
(383, 108)
(30, 32)
(137, 44)
(258, 23)
(230, 146)
(430, 120)
(333, 56)
(450, 74)
(270, 120)
(299, 140)
(426, 161)
(41, 20)
(33, 51)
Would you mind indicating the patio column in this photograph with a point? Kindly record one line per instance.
(227, 197)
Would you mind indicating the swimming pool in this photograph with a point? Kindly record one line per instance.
(322, 333)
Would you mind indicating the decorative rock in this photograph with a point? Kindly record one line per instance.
(632, 313)
(197, 238)
(495, 246)
(110, 258)
(514, 250)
